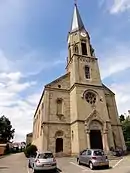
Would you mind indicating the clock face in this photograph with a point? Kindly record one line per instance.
(83, 34)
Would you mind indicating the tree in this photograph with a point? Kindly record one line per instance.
(126, 129)
(6, 130)
(30, 150)
(122, 118)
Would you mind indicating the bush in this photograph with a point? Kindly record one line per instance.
(30, 151)
(128, 145)
(7, 150)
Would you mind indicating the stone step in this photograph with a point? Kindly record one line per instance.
(114, 157)
(61, 154)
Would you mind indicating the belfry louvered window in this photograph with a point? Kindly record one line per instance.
(84, 48)
(87, 72)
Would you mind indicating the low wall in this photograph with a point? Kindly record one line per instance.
(2, 150)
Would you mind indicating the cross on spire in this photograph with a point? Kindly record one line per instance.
(75, 2)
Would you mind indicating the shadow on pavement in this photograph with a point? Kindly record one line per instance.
(3, 167)
(53, 171)
(102, 168)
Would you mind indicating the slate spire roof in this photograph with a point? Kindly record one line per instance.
(77, 23)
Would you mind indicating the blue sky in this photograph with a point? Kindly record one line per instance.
(33, 50)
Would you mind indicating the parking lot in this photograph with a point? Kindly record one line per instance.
(69, 165)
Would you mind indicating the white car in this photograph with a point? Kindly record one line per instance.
(43, 161)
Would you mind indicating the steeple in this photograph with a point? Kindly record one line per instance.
(81, 60)
(77, 23)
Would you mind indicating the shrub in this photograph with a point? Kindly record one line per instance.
(30, 150)
(128, 145)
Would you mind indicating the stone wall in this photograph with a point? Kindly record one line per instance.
(66, 137)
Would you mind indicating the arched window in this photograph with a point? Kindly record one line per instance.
(87, 72)
(59, 133)
(59, 106)
(76, 49)
(84, 48)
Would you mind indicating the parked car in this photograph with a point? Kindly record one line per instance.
(93, 158)
(42, 161)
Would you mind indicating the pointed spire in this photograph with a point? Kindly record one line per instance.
(77, 22)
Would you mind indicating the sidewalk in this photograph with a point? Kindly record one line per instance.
(2, 157)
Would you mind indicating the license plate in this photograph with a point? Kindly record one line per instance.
(47, 165)
(102, 164)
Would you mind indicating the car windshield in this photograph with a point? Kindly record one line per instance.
(98, 153)
(45, 155)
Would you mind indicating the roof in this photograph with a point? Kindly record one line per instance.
(57, 80)
(48, 85)
(105, 87)
(77, 23)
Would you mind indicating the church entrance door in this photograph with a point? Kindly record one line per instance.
(59, 145)
(96, 139)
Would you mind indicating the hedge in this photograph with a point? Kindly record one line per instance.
(128, 145)
(30, 151)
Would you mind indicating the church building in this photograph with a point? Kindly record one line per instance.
(77, 111)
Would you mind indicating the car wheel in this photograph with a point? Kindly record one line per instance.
(79, 163)
(107, 166)
(34, 171)
(29, 166)
(55, 170)
(91, 166)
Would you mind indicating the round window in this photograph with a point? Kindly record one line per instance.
(90, 97)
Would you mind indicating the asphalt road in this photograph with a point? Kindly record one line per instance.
(17, 163)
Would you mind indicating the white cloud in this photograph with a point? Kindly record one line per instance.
(34, 98)
(115, 60)
(12, 73)
(15, 101)
(12, 105)
(120, 6)
(122, 92)
(115, 6)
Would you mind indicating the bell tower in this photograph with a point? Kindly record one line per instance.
(81, 62)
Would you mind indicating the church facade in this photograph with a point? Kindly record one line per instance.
(77, 111)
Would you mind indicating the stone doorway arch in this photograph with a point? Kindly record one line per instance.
(59, 141)
(95, 128)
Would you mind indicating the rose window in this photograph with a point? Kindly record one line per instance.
(90, 97)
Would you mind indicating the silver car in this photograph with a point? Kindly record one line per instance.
(93, 158)
(42, 161)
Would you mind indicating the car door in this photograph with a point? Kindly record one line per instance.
(88, 156)
(82, 156)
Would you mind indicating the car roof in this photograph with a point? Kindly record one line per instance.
(96, 149)
(92, 149)
(42, 152)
